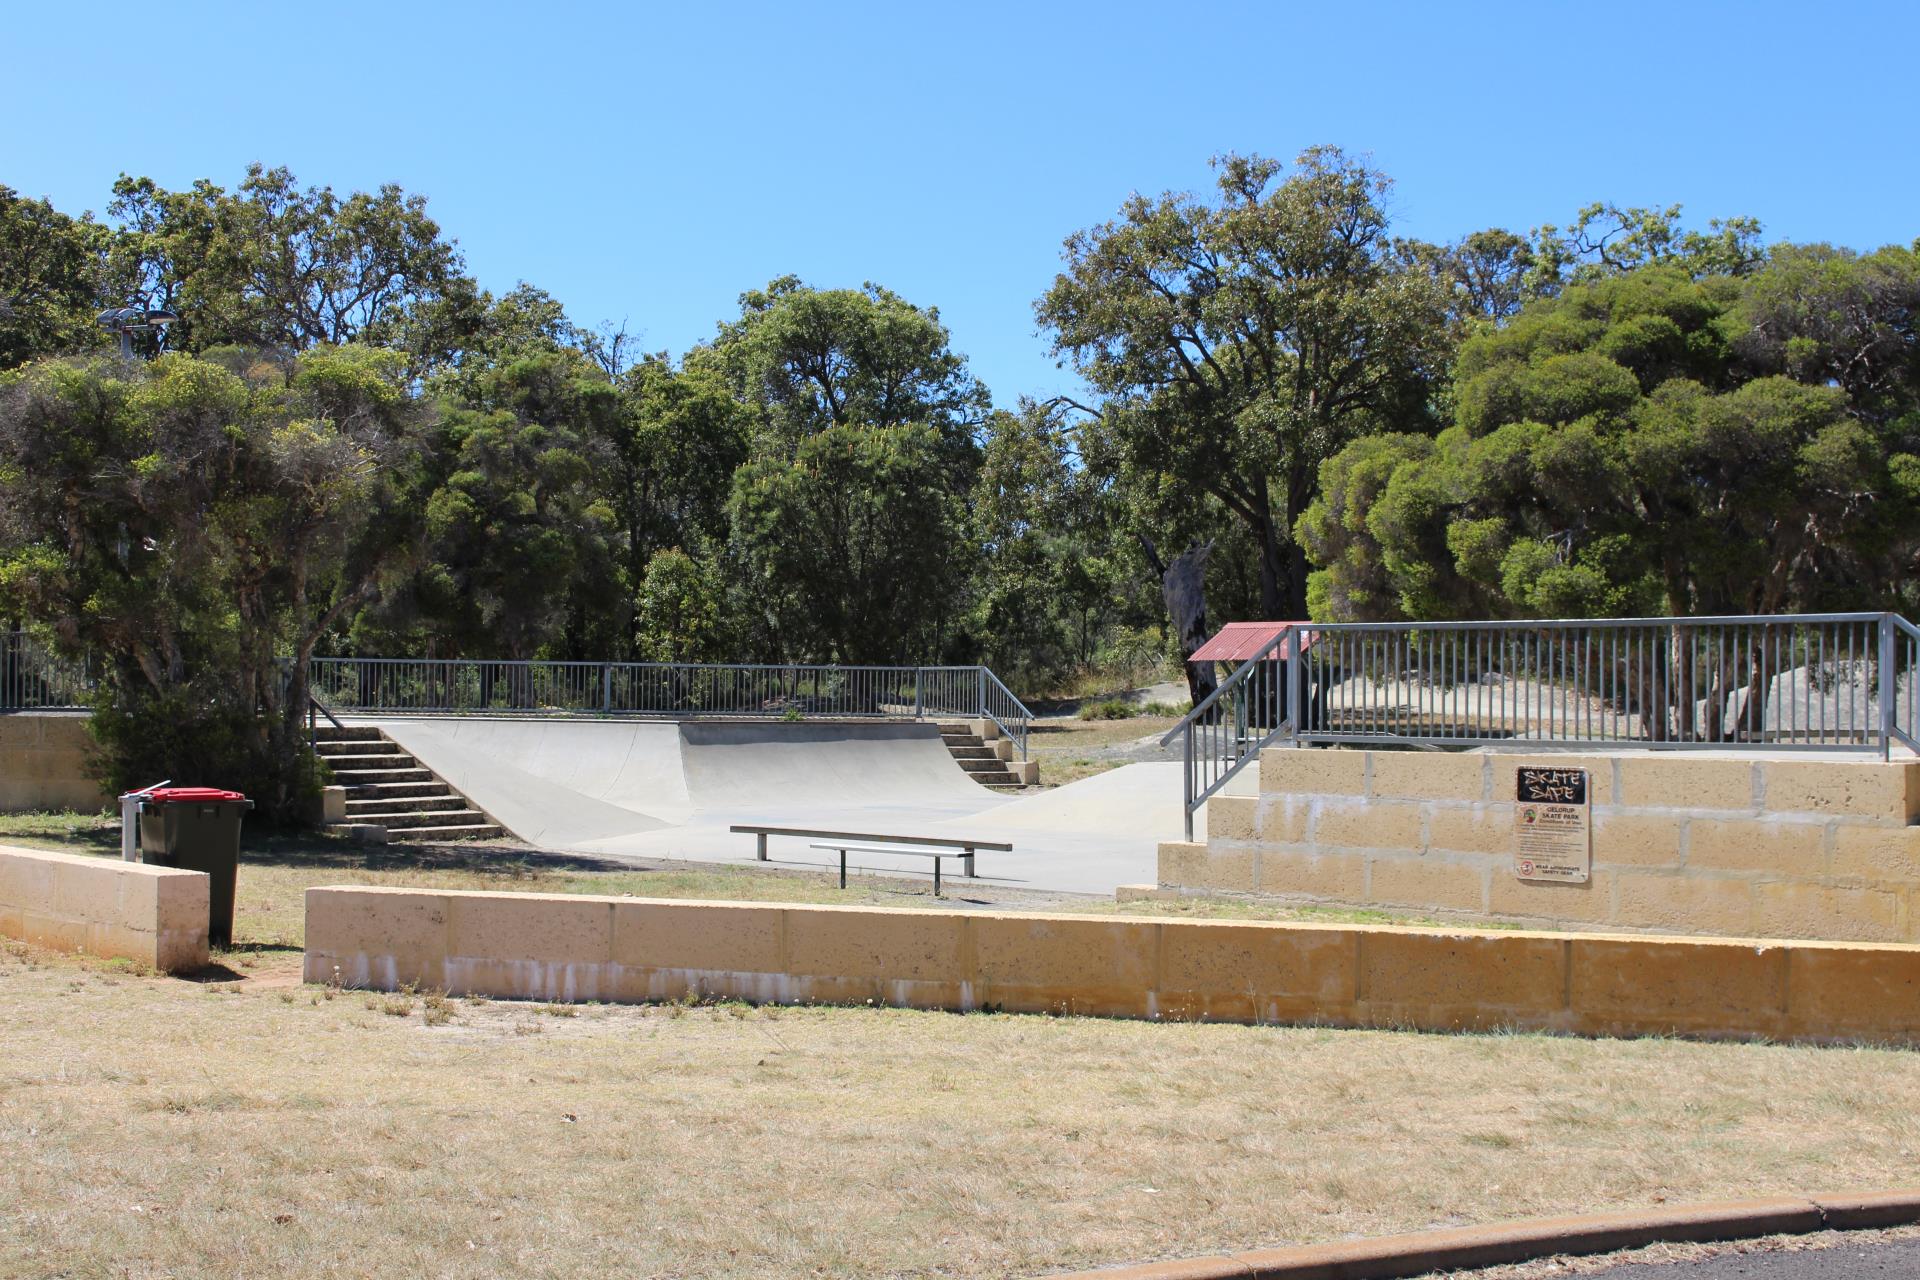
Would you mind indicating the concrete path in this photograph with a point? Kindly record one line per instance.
(655, 789)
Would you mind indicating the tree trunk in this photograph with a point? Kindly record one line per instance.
(1183, 586)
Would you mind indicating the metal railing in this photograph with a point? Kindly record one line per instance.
(430, 686)
(35, 678)
(1792, 682)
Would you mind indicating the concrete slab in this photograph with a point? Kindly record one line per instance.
(653, 789)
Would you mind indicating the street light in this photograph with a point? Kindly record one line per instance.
(124, 322)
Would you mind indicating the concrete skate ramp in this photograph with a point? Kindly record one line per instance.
(731, 767)
(655, 789)
(557, 783)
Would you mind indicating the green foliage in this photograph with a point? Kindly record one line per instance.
(682, 610)
(1241, 344)
(1109, 709)
(851, 548)
(1641, 444)
(50, 268)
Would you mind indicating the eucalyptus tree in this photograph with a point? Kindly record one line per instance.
(1238, 345)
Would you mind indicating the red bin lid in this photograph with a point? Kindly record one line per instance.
(191, 795)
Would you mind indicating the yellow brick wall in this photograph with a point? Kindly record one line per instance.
(1803, 847)
(565, 947)
(43, 763)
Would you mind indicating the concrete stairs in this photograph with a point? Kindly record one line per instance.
(389, 791)
(978, 748)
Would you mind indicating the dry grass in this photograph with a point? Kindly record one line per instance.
(1069, 750)
(158, 1128)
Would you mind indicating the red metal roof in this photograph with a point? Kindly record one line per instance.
(1238, 641)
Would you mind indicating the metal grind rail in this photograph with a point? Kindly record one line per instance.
(431, 686)
(1786, 682)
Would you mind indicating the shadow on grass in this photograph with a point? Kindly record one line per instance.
(296, 850)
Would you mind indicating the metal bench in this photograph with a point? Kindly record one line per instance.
(845, 847)
(966, 845)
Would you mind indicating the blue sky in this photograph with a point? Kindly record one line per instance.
(648, 163)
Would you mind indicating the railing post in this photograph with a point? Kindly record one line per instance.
(1293, 640)
(980, 692)
(919, 693)
(1186, 781)
(606, 688)
(1886, 686)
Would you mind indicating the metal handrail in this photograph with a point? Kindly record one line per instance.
(669, 690)
(1847, 681)
(1207, 769)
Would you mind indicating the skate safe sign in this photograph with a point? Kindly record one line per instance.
(1552, 826)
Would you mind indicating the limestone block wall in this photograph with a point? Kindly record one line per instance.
(563, 947)
(43, 762)
(156, 916)
(1807, 847)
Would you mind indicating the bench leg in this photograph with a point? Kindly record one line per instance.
(966, 865)
(843, 868)
(760, 846)
(937, 860)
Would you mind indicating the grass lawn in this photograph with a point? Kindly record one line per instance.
(159, 1127)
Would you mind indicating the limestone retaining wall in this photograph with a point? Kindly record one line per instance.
(565, 947)
(1807, 847)
(156, 916)
(43, 762)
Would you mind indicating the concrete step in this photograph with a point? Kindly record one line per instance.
(349, 733)
(394, 790)
(964, 743)
(388, 759)
(361, 777)
(436, 819)
(331, 749)
(371, 809)
(973, 753)
(996, 780)
(987, 764)
(1005, 786)
(476, 831)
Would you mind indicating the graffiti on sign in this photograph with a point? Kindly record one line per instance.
(1552, 826)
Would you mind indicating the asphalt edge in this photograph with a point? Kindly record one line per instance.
(1460, 1248)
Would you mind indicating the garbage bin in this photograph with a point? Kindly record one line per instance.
(197, 829)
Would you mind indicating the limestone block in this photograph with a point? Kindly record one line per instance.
(1231, 817)
(1787, 909)
(1679, 780)
(1509, 896)
(1697, 903)
(875, 943)
(1305, 770)
(1876, 853)
(1476, 828)
(380, 938)
(1368, 824)
(1432, 979)
(1628, 839)
(1427, 882)
(1866, 992)
(1182, 862)
(1626, 986)
(1283, 818)
(1041, 963)
(1868, 790)
(1256, 972)
(1429, 775)
(733, 937)
(1772, 848)
(1307, 872)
